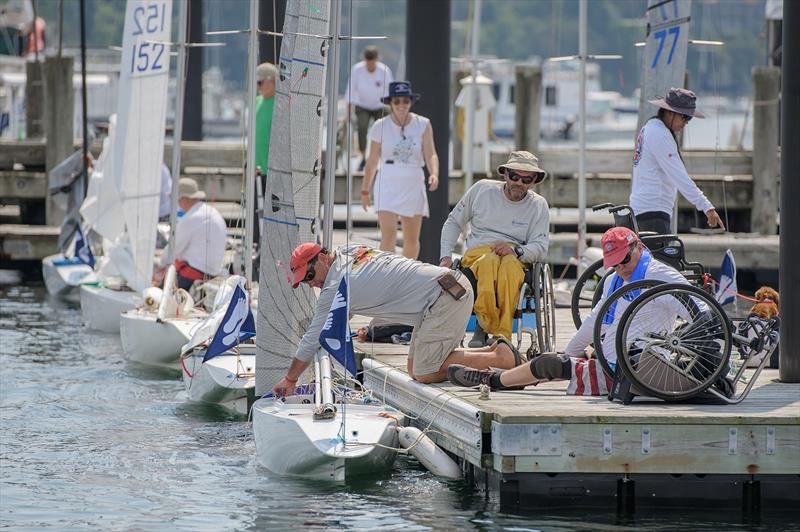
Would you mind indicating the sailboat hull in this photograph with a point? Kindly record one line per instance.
(290, 442)
(101, 307)
(146, 341)
(63, 280)
(227, 379)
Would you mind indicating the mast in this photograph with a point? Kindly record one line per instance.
(250, 174)
(177, 129)
(582, 12)
(332, 92)
(84, 110)
(469, 129)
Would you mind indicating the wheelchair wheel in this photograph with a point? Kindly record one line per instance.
(587, 291)
(673, 341)
(545, 308)
(624, 295)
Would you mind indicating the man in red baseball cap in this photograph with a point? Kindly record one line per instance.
(631, 261)
(435, 301)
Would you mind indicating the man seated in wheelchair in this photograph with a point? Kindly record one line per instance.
(507, 225)
(631, 262)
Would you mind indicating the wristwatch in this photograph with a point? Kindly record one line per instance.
(519, 251)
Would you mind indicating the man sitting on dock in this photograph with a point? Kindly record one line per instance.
(435, 301)
(631, 260)
(509, 225)
(200, 235)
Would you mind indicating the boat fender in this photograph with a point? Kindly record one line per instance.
(185, 302)
(428, 453)
(152, 298)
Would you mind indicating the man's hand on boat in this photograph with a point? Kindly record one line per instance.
(284, 387)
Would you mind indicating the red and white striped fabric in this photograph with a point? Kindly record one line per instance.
(587, 378)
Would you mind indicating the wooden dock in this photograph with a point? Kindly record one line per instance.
(522, 445)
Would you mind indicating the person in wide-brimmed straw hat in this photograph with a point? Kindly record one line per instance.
(508, 226)
(658, 169)
(400, 145)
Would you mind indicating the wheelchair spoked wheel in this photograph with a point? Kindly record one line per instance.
(587, 291)
(625, 293)
(678, 357)
(545, 308)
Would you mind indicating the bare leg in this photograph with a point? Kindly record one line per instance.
(411, 229)
(497, 356)
(387, 221)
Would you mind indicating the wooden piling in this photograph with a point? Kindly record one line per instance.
(34, 100)
(528, 111)
(59, 113)
(766, 89)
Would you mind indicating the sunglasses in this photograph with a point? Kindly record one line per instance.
(686, 118)
(526, 179)
(310, 272)
(401, 100)
(627, 258)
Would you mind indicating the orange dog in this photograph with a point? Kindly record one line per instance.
(767, 304)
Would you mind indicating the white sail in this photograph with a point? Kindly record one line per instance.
(292, 191)
(667, 42)
(134, 168)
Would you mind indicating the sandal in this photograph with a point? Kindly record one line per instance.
(519, 358)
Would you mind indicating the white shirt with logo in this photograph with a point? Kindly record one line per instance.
(366, 88)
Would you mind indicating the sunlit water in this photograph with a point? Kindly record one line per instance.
(89, 442)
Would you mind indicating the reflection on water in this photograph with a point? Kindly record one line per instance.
(89, 442)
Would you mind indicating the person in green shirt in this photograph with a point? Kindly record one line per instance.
(266, 75)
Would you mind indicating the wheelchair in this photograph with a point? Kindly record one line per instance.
(674, 342)
(536, 296)
(668, 249)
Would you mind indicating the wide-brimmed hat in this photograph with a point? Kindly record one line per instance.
(187, 188)
(681, 101)
(400, 88)
(615, 243)
(301, 256)
(524, 161)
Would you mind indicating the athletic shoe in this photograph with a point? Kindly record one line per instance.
(478, 338)
(461, 375)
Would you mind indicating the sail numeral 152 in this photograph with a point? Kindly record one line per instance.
(147, 56)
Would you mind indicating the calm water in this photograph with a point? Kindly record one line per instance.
(88, 442)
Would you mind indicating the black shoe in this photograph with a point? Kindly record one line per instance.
(478, 338)
(461, 375)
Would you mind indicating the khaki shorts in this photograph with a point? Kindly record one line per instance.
(441, 331)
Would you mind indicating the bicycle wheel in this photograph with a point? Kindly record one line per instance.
(545, 308)
(620, 299)
(674, 341)
(588, 290)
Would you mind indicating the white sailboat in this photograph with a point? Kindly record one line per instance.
(131, 175)
(321, 434)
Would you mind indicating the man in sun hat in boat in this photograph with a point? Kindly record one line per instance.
(509, 225)
(658, 169)
(631, 261)
(200, 235)
(435, 301)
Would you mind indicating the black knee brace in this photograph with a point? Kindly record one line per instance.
(551, 366)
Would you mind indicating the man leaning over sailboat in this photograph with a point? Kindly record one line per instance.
(436, 301)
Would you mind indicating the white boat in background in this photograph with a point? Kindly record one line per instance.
(125, 210)
(63, 276)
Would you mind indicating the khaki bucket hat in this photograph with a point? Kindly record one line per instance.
(187, 188)
(524, 161)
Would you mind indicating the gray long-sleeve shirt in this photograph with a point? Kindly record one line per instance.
(492, 216)
(382, 285)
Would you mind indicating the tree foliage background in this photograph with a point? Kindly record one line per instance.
(514, 29)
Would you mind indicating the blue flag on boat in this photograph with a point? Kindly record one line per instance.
(237, 325)
(82, 249)
(335, 334)
(726, 290)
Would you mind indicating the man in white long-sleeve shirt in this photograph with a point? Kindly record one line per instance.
(631, 262)
(400, 290)
(509, 224)
(658, 169)
(200, 234)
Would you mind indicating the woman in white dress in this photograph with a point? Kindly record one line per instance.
(400, 145)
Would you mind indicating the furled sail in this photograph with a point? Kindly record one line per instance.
(665, 51)
(291, 202)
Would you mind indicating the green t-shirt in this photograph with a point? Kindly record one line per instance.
(263, 128)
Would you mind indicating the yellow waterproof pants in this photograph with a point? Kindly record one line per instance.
(499, 279)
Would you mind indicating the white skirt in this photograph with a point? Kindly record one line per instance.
(401, 190)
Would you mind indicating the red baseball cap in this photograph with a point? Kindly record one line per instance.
(615, 244)
(301, 256)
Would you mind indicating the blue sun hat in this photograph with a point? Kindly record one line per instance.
(400, 88)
